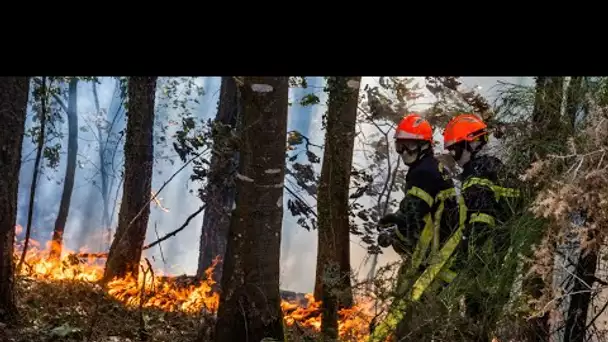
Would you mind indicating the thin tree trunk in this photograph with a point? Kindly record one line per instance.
(14, 93)
(219, 194)
(575, 99)
(105, 216)
(580, 300)
(332, 282)
(126, 249)
(41, 134)
(70, 171)
(249, 307)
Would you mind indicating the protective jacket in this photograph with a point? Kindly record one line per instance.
(491, 196)
(429, 224)
(429, 202)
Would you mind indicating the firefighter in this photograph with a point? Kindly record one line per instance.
(426, 218)
(489, 201)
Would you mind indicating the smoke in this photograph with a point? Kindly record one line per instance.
(84, 225)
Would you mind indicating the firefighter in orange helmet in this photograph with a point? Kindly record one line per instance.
(489, 194)
(425, 178)
(422, 221)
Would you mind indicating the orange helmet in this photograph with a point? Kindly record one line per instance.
(464, 127)
(414, 127)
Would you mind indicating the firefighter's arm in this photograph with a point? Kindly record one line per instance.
(417, 203)
(480, 202)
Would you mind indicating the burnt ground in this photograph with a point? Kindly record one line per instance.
(78, 311)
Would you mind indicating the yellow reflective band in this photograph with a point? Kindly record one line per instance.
(423, 242)
(437, 227)
(440, 198)
(477, 181)
(445, 194)
(462, 211)
(447, 275)
(400, 236)
(499, 191)
(431, 272)
(423, 195)
(389, 324)
(482, 218)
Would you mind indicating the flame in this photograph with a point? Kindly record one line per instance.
(154, 290)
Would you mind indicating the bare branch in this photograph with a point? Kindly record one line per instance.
(173, 233)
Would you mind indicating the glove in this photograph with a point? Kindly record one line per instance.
(385, 239)
(391, 219)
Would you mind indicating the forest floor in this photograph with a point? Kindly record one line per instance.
(79, 311)
(75, 310)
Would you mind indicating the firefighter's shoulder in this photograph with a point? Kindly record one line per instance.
(428, 175)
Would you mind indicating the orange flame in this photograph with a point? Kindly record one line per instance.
(152, 290)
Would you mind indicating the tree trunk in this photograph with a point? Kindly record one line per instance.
(332, 282)
(126, 249)
(14, 92)
(586, 263)
(249, 307)
(219, 194)
(547, 106)
(103, 170)
(70, 171)
(42, 114)
(575, 99)
(546, 117)
(580, 300)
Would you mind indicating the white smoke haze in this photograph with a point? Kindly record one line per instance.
(84, 227)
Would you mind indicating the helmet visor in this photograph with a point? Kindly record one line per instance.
(410, 145)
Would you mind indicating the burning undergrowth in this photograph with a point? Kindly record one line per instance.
(61, 300)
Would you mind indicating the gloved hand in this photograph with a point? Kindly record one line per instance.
(385, 238)
(392, 219)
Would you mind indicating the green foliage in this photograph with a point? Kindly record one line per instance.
(310, 99)
(176, 106)
(51, 154)
(55, 89)
(305, 177)
(298, 82)
(381, 107)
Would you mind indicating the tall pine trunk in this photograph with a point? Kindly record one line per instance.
(42, 93)
(219, 193)
(70, 171)
(125, 251)
(580, 300)
(546, 117)
(249, 307)
(103, 170)
(332, 282)
(586, 264)
(14, 92)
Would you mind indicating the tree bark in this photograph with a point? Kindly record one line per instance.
(586, 263)
(575, 99)
(220, 191)
(580, 300)
(103, 170)
(14, 93)
(125, 251)
(249, 308)
(70, 171)
(546, 117)
(332, 282)
(40, 146)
